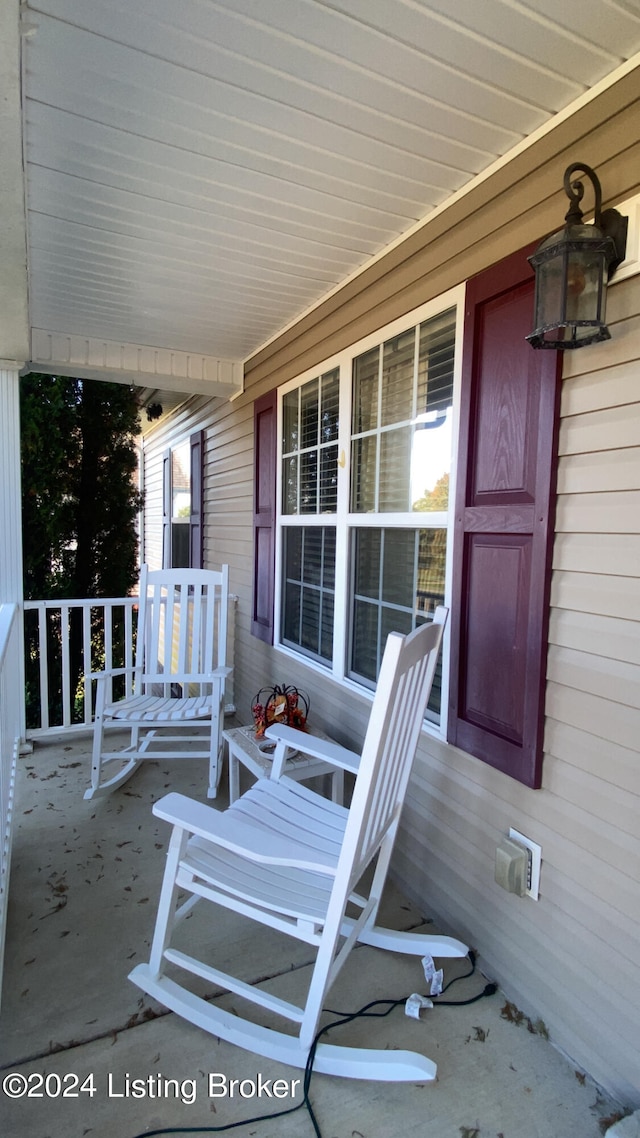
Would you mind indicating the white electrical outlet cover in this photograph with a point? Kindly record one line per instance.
(536, 859)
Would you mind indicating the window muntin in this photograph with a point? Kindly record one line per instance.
(382, 421)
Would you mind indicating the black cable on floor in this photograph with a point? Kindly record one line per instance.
(344, 1018)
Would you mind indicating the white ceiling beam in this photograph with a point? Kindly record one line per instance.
(112, 361)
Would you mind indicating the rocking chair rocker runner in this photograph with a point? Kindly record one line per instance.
(178, 679)
(290, 859)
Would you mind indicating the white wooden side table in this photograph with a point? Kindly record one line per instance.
(257, 755)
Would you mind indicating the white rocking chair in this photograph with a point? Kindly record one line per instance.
(178, 679)
(291, 859)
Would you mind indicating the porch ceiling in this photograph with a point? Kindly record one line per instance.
(200, 173)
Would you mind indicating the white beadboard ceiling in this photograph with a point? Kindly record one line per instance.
(200, 172)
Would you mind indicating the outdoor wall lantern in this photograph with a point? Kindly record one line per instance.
(572, 268)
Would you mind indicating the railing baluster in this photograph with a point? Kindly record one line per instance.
(128, 647)
(86, 661)
(108, 648)
(66, 665)
(44, 665)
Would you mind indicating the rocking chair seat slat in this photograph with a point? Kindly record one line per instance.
(302, 893)
(298, 893)
(233, 830)
(153, 709)
(276, 808)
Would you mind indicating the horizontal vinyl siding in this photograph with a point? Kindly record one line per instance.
(619, 556)
(593, 632)
(228, 482)
(596, 593)
(152, 514)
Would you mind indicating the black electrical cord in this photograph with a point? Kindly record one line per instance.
(344, 1018)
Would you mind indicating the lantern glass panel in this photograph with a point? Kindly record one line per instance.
(585, 273)
(550, 292)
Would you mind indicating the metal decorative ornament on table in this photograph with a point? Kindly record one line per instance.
(258, 755)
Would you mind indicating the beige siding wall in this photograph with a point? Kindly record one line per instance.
(571, 959)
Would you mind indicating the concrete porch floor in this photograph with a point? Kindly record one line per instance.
(84, 883)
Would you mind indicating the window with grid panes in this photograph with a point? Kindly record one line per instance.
(309, 487)
(374, 485)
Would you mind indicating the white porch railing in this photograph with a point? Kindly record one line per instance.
(10, 720)
(55, 703)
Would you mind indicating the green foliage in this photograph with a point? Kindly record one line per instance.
(79, 507)
(436, 499)
(79, 499)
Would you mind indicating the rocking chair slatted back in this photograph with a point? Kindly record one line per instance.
(185, 624)
(392, 735)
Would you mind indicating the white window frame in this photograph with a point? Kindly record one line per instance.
(344, 520)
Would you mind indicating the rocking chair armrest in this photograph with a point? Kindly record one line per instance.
(110, 673)
(186, 677)
(229, 830)
(324, 749)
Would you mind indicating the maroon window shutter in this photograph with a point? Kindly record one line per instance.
(505, 501)
(166, 510)
(264, 516)
(196, 518)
